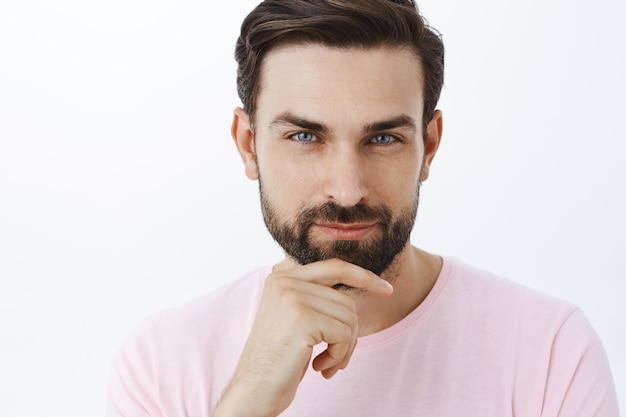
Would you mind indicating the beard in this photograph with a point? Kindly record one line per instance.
(376, 252)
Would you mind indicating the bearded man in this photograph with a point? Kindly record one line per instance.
(339, 126)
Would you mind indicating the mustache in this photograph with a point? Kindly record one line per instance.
(330, 212)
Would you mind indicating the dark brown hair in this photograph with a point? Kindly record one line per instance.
(342, 24)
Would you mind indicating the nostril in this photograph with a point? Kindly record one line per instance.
(344, 177)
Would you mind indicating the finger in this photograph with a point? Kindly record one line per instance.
(339, 350)
(328, 362)
(340, 338)
(336, 355)
(308, 294)
(331, 272)
(332, 370)
(346, 361)
(339, 307)
(331, 358)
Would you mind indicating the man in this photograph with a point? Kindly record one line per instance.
(339, 126)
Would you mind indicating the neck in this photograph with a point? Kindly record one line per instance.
(412, 274)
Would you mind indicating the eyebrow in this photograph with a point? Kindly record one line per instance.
(288, 118)
(403, 121)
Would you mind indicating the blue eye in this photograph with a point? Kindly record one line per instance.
(303, 137)
(383, 139)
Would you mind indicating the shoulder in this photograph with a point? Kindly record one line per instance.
(490, 306)
(553, 344)
(482, 289)
(184, 331)
(236, 301)
(176, 348)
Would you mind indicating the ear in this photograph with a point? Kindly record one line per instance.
(242, 134)
(431, 142)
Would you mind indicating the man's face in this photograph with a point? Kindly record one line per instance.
(339, 152)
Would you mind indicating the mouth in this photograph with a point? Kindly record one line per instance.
(352, 231)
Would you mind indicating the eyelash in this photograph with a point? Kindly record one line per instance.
(314, 138)
(293, 137)
(393, 138)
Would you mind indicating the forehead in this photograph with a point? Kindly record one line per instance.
(332, 83)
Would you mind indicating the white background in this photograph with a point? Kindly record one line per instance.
(121, 193)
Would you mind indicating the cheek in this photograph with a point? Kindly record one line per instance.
(396, 194)
(286, 185)
(396, 178)
(284, 165)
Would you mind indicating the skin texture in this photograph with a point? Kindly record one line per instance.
(340, 126)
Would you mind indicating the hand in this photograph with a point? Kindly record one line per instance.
(299, 309)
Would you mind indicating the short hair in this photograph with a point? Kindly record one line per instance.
(341, 24)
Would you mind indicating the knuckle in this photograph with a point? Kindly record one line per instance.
(274, 280)
(278, 284)
(348, 331)
(343, 333)
(282, 291)
(289, 296)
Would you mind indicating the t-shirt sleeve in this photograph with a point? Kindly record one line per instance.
(179, 360)
(579, 380)
(132, 387)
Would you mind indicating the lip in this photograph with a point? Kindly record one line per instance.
(346, 231)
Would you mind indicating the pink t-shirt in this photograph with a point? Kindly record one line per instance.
(477, 346)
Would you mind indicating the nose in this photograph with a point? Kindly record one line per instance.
(345, 177)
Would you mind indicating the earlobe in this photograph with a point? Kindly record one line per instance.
(432, 140)
(241, 131)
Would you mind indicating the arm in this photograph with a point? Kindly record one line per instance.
(579, 378)
(132, 389)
